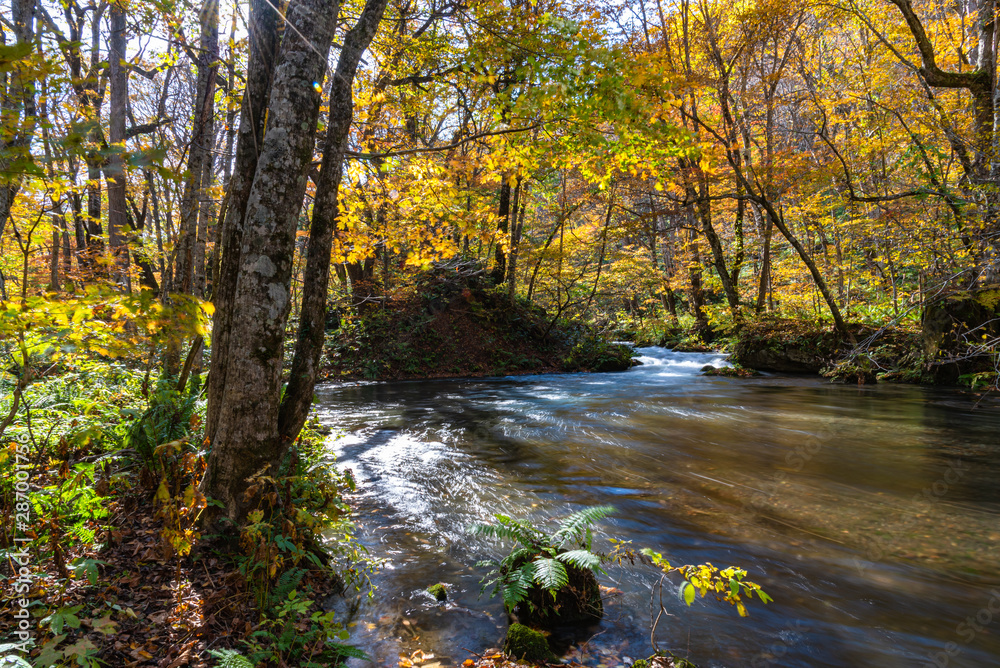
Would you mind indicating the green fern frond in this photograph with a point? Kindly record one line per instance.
(514, 589)
(348, 651)
(583, 559)
(576, 527)
(287, 582)
(229, 658)
(550, 574)
(519, 555)
(508, 528)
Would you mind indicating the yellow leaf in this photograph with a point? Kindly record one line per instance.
(162, 494)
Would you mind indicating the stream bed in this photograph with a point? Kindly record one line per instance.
(871, 514)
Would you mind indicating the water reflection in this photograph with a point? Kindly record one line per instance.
(869, 513)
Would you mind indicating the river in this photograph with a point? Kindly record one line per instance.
(871, 514)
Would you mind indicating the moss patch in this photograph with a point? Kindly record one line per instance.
(527, 644)
(439, 592)
(734, 371)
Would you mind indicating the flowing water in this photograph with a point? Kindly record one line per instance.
(870, 514)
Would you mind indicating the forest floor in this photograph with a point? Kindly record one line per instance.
(453, 323)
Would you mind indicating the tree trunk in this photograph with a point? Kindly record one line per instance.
(503, 226)
(704, 208)
(191, 246)
(694, 277)
(246, 439)
(312, 319)
(764, 285)
(18, 112)
(264, 31)
(515, 237)
(114, 169)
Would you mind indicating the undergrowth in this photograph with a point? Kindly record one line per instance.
(97, 457)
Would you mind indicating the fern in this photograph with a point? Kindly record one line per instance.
(514, 587)
(348, 651)
(507, 528)
(539, 560)
(576, 527)
(550, 574)
(287, 582)
(167, 419)
(583, 559)
(229, 658)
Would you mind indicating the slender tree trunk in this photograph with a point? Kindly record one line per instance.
(764, 284)
(54, 257)
(312, 319)
(694, 277)
(704, 208)
(515, 238)
(114, 170)
(191, 246)
(503, 227)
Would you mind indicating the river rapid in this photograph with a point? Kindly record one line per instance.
(871, 514)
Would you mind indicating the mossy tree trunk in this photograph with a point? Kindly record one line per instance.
(246, 439)
(264, 31)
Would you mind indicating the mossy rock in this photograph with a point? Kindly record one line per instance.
(734, 371)
(578, 603)
(592, 353)
(952, 326)
(787, 346)
(946, 321)
(691, 346)
(439, 592)
(527, 644)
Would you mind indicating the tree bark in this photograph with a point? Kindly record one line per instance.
(264, 40)
(191, 246)
(503, 226)
(114, 170)
(246, 439)
(18, 112)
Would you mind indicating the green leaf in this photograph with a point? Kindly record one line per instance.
(574, 527)
(583, 559)
(550, 573)
(49, 655)
(14, 52)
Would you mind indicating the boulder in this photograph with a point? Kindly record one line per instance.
(578, 603)
(787, 346)
(951, 326)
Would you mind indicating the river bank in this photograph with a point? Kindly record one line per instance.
(889, 354)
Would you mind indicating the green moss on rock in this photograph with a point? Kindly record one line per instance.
(527, 644)
(439, 592)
